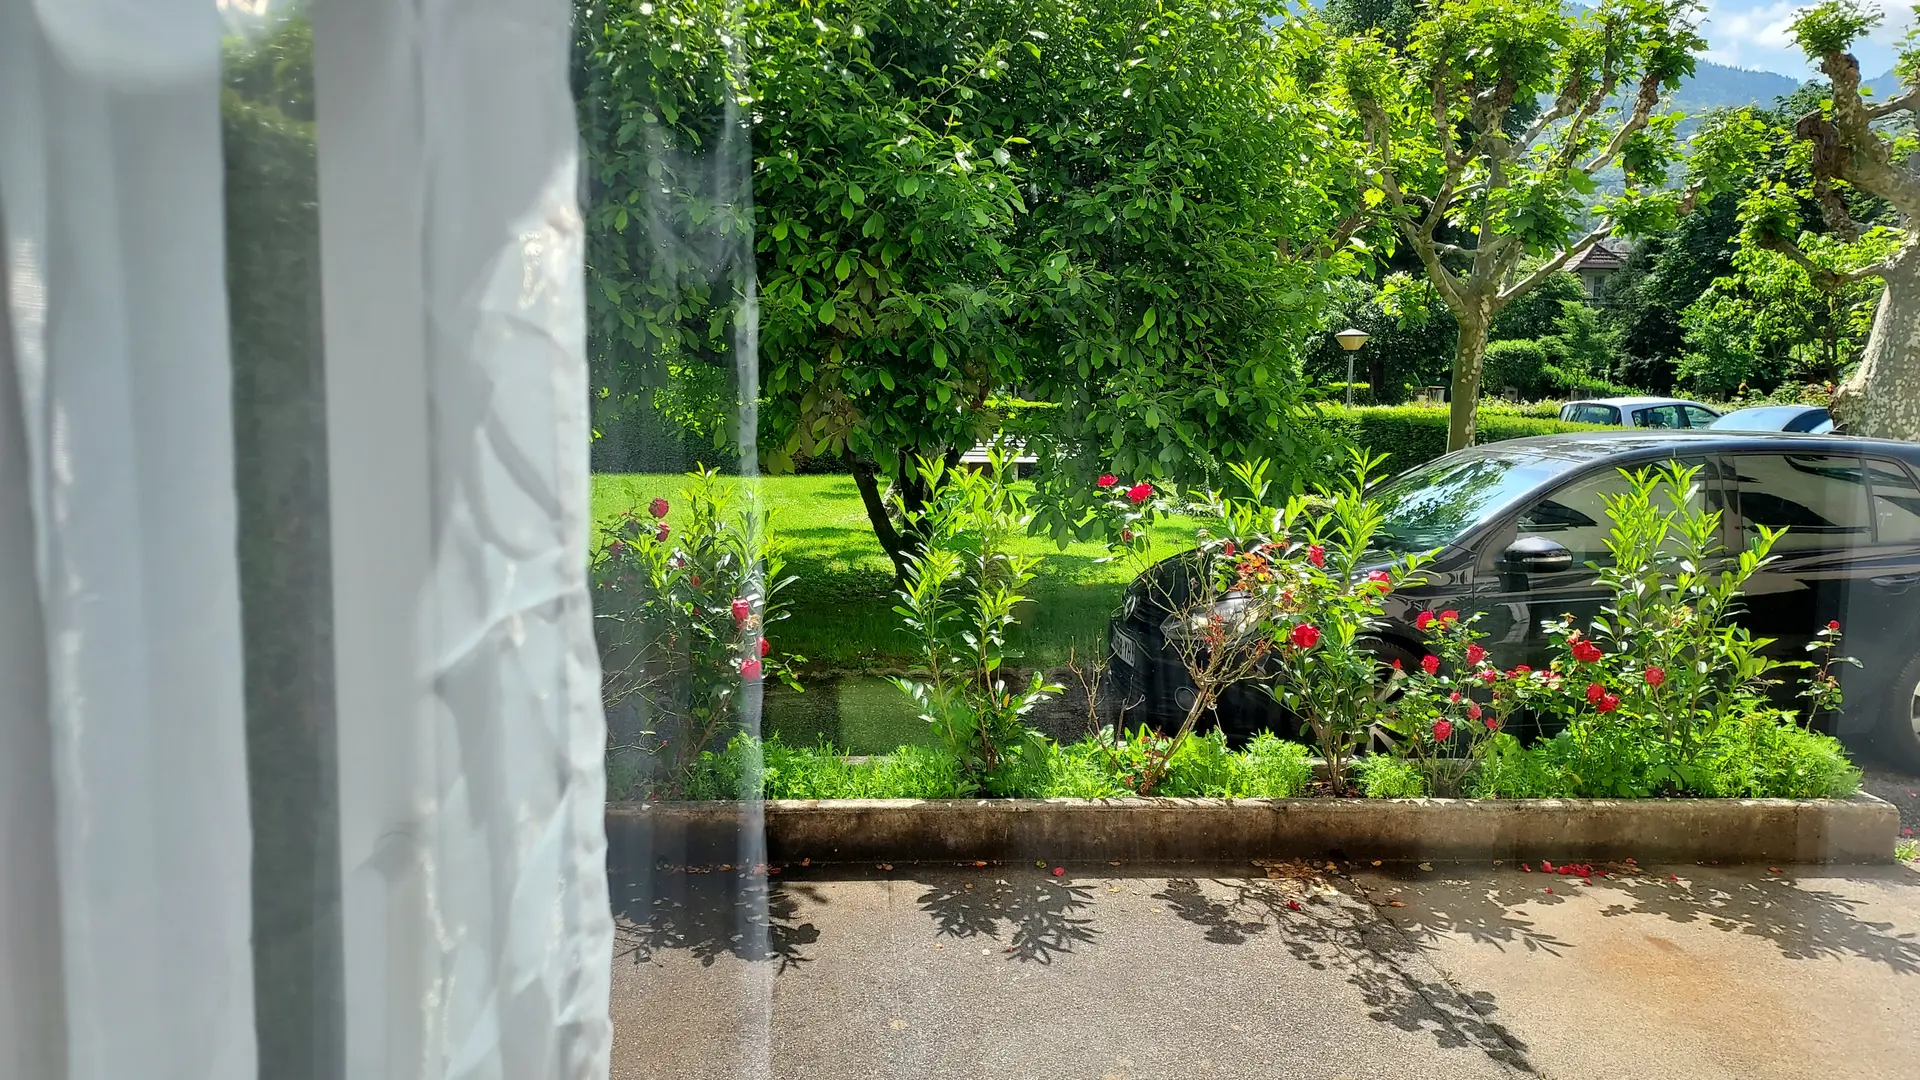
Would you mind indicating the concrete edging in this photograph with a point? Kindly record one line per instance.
(1857, 830)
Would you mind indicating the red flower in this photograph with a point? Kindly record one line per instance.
(1521, 669)
(750, 669)
(1442, 729)
(1228, 549)
(741, 609)
(1449, 616)
(1140, 493)
(1493, 723)
(1430, 664)
(1546, 867)
(1107, 480)
(1304, 636)
(1655, 676)
(1586, 652)
(1293, 905)
(696, 581)
(1834, 625)
(1423, 620)
(1126, 536)
(1396, 665)
(1317, 555)
(1473, 710)
(1595, 692)
(1608, 703)
(1382, 579)
(1490, 676)
(1455, 696)
(660, 534)
(764, 647)
(1059, 871)
(658, 508)
(1475, 654)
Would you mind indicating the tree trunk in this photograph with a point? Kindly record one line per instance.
(1469, 361)
(1882, 400)
(891, 542)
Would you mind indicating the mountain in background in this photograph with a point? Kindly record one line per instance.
(1717, 86)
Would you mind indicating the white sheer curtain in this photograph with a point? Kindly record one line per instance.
(474, 928)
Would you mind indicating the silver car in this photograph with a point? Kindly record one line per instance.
(1639, 412)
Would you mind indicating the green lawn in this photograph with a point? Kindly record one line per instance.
(842, 604)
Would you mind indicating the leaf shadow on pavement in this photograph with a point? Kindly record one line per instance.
(711, 914)
(1804, 920)
(1040, 919)
(1327, 930)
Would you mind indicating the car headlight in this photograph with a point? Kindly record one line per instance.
(1236, 614)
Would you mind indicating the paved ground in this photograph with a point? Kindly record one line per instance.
(1391, 972)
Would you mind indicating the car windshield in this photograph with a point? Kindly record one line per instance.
(1434, 505)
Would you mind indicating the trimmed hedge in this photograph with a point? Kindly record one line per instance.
(1415, 434)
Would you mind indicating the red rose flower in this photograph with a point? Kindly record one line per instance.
(1595, 692)
(1475, 654)
(660, 534)
(658, 508)
(1140, 493)
(1107, 480)
(1228, 549)
(1304, 636)
(741, 609)
(1423, 620)
(1493, 723)
(1586, 652)
(1126, 536)
(1655, 676)
(1396, 665)
(1317, 555)
(1521, 669)
(1608, 702)
(1834, 625)
(764, 647)
(1449, 616)
(1442, 729)
(1430, 664)
(1474, 710)
(1455, 696)
(750, 669)
(1381, 579)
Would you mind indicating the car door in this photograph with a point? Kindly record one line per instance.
(1513, 603)
(1698, 416)
(1850, 553)
(1659, 416)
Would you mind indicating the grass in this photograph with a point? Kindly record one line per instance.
(1907, 851)
(842, 616)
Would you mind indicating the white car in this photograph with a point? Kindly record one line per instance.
(1639, 412)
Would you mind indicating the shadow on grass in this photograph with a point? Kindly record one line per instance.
(1038, 919)
(1803, 920)
(1327, 932)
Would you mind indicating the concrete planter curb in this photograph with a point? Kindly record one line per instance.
(1857, 830)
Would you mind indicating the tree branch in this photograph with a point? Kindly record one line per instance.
(1822, 276)
(1847, 146)
(1553, 266)
(1643, 104)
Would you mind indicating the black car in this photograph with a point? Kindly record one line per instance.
(1516, 522)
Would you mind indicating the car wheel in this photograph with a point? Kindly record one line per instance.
(1898, 735)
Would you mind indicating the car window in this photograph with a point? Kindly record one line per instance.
(1821, 500)
(1592, 414)
(1659, 416)
(1896, 503)
(1432, 506)
(1697, 416)
(1576, 516)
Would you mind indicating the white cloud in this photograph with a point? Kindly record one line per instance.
(1754, 34)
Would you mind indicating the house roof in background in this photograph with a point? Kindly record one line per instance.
(1599, 257)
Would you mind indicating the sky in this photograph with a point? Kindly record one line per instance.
(1753, 34)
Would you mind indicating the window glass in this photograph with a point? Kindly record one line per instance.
(1432, 506)
(1593, 414)
(1896, 503)
(1659, 416)
(1576, 515)
(1820, 500)
(1697, 416)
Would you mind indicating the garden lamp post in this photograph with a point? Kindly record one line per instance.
(1350, 339)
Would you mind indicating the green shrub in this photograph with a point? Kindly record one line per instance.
(1515, 364)
(1336, 393)
(1767, 759)
(1554, 377)
(1382, 776)
(1273, 768)
(1511, 771)
(1079, 772)
(778, 771)
(1201, 767)
(1415, 434)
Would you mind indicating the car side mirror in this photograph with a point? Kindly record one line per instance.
(1537, 555)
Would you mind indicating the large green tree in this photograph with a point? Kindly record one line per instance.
(1492, 212)
(1126, 208)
